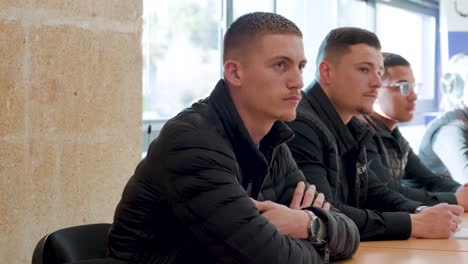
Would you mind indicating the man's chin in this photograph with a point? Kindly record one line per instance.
(407, 118)
(364, 110)
(288, 117)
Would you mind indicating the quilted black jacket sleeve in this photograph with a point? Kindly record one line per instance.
(206, 198)
(311, 150)
(185, 204)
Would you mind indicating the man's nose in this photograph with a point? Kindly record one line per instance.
(376, 81)
(295, 79)
(412, 96)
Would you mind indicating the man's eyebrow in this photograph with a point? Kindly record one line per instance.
(280, 57)
(371, 64)
(366, 63)
(289, 59)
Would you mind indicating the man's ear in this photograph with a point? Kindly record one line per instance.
(233, 72)
(325, 70)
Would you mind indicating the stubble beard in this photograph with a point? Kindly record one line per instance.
(364, 110)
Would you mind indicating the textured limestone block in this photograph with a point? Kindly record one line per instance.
(84, 81)
(44, 178)
(11, 78)
(91, 180)
(12, 201)
(12, 172)
(13, 3)
(70, 115)
(111, 9)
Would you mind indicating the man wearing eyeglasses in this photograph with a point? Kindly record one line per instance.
(390, 155)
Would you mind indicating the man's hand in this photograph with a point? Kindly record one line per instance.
(462, 196)
(439, 221)
(302, 200)
(293, 221)
(288, 221)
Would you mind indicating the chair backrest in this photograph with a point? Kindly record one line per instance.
(72, 244)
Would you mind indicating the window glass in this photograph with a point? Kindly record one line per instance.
(181, 54)
(412, 37)
(241, 7)
(316, 19)
(353, 13)
(182, 45)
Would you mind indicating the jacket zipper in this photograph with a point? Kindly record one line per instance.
(327, 255)
(273, 154)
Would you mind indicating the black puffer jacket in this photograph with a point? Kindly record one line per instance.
(188, 200)
(332, 155)
(394, 162)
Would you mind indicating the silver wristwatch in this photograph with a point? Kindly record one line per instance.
(314, 226)
(419, 209)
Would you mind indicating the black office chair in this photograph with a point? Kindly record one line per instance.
(80, 244)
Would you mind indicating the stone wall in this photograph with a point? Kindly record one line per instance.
(70, 115)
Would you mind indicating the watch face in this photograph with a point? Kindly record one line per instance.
(316, 227)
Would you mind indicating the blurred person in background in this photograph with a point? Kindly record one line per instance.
(444, 147)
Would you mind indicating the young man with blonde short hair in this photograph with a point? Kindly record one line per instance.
(219, 184)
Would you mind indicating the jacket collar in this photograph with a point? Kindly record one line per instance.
(234, 126)
(248, 154)
(348, 136)
(379, 128)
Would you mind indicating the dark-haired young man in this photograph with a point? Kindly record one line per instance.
(390, 155)
(329, 146)
(219, 184)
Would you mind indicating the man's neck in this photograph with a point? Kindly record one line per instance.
(344, 115)
(390, 124)
(256, 125)
(257, 130)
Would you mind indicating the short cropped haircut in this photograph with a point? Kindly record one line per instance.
(253, 25)
(339, 41)
(393, 60)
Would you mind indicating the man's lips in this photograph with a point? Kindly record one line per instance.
(371, 95)
(294, 98)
